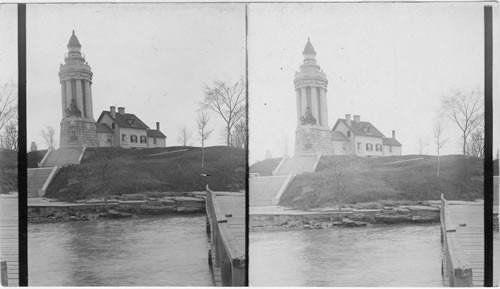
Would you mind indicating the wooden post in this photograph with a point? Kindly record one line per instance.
(462, 277)
(5, 276)
(238, 276)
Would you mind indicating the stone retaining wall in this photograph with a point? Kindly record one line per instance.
(92, 210)
(350, 218)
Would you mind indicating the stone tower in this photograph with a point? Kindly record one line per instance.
(78, 127)
(312, 134)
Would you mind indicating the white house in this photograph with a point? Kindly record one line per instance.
(353, 136)
(117, 128)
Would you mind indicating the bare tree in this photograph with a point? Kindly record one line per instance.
(10, 136)
(48, 135)
(420, 145)
(339, 171)
(8, 104)
(439, 141)
(239, 134)
(228, 101)
(184, 136)
(475, 146)
(466, 111)
(203, 131)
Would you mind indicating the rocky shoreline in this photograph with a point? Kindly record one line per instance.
(353, 215)
(117, 207)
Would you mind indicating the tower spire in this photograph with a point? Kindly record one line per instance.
(73, 41)
(309, 49)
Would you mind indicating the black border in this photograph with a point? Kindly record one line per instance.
(22, 156)
(488, 147)
(247, 175)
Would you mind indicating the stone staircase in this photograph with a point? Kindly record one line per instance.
(297, 165)
(62, 157)
(36, 180)
(264, 189)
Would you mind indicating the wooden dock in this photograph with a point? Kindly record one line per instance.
(462, 236)
(226, 229)
(9, 240)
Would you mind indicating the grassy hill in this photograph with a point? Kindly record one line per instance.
(35, 157)
(137, 171)
(8, 171)
(385, 178)
(265, 167)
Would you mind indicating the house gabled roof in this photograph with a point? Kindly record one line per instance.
(103, 128)
(126, 120)
(155, 133)
(360, 128)
(387, 141)
(339, 136)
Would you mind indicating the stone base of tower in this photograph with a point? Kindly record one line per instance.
(312, 139)
(78, 132)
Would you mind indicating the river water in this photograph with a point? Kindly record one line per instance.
(159, 251)
(375, 256)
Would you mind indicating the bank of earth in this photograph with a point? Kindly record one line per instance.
(371, 191)
(123, 183)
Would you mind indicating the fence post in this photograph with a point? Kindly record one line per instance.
(5, 276)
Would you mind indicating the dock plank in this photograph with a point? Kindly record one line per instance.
(9, 241)
(469, 223)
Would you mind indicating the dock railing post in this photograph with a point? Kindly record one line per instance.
(5, 275)
(238, 273)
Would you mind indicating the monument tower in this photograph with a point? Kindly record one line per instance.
(78, 127)
(312, 135)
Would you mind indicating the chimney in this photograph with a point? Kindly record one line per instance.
(393, 134)
(121, 110)
(348, 119)
(112, 109)
(158, 126)
(356, 118)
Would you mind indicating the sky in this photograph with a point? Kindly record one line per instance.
(389, 63)
(153, 59)
(8, 44)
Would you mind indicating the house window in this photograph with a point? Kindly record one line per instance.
(124, 138)
(113, 125)
(378, 147)
(143, 139)
(359, 146)
(109, 139)
(369, 147)
(390, 149)
(154, 140)
(133, 138)
(348, 133)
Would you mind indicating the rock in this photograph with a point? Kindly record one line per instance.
(369, 205)
(402, 211)
(157, 210)
(118, 215)
(424, 211)
(420, 219)
(391, 219)
(167, 202)
(390, 203)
